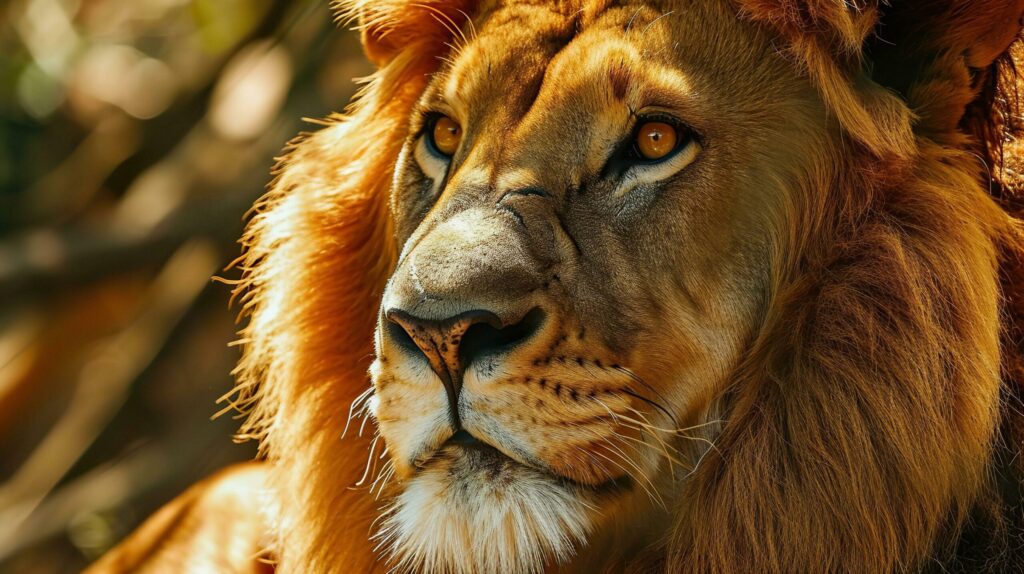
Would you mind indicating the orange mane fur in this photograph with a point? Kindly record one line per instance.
(318, 251)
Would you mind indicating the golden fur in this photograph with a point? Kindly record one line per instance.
(862, 404)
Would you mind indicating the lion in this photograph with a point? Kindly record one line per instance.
(641, 286)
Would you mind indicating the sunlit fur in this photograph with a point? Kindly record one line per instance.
(870, 421)
(861, 420)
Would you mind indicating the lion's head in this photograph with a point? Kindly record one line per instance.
(580, 264)
(693, 285)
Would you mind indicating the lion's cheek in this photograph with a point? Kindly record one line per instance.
(592, 462)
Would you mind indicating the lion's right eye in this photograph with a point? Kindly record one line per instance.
(445, 136)
(655, 140)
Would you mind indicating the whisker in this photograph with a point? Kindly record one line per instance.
(675, 431)
(370, 461)
(664, 446)
(711, 444)
(640, 477)
(663, 450)
(382, 480)
(360, 404)
(448, 23)
(384, 514)
(644, 424)
(700, 460)
(472, 27)
(650, 427)
(644, 482)
(629, 25)
(655, 21)
(636, 379)
(654, 404)
(362, 425)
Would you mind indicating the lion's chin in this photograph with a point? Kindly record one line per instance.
(473, 510)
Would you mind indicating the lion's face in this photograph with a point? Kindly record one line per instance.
(588, 209)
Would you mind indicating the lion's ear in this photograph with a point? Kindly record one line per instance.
(392, 26)
(951, 61)
(979, 30)
(935, 56)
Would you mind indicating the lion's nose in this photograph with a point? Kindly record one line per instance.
(451, 345)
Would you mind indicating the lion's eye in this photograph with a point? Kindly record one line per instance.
(655, 140)
(659, 146)
(446, 135)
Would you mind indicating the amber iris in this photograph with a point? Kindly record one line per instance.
(655, 140)
(447, 135)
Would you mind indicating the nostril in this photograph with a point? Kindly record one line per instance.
(451, 345)
(399, 335)
(483, 339)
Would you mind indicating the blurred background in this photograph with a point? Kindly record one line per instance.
(134, 135)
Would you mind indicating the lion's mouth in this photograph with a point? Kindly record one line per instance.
(487, 463)
(480, 455)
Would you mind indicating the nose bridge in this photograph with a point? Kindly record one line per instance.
(551, 141)
(475, 259)
(522, 160)
(543, 151)
(542, 145)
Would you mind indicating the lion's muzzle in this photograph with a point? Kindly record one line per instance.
(482, 334)
(467, 290)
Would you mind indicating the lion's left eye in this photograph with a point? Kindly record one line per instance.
(445, 135)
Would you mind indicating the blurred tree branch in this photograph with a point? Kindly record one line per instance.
(45, 260)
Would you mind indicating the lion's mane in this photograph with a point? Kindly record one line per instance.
(872, 425)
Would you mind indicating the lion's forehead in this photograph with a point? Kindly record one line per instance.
(528, 61)
(558, 86)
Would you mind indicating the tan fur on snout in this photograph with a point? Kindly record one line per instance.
(791, 346)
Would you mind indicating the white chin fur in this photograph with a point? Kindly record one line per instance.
(456, 517)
